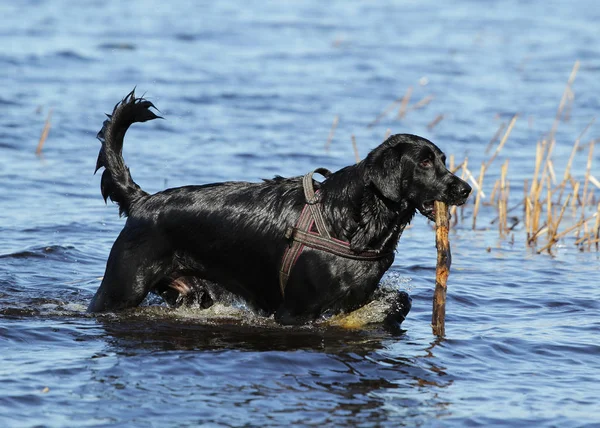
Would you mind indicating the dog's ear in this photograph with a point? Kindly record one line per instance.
(383, 170)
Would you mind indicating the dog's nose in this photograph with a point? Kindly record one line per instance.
(464, 190)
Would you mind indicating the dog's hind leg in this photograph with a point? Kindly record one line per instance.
(134, 266)
(177, 290)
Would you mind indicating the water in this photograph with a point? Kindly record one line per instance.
(250, 90)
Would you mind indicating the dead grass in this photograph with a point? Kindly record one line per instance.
(556, 206)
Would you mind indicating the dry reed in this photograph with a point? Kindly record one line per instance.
(420, 104)
(502, 142)
(355, 148)
(334, 125)
(404, 104)
(544, 206)
(564, 98)
(385, 112)
(552, 200)
(479, 195)
(435, 121)
(45, 132)
(495, 137)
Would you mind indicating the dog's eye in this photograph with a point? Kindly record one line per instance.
(426, 163)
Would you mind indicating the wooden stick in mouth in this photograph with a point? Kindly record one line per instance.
(444, 259)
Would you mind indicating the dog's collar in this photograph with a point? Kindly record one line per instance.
(302, 236)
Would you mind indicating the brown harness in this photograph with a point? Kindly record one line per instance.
(302, 236)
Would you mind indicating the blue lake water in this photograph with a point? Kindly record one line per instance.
(250, 90)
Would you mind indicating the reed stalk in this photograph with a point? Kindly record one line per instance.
(560, 216)
(548, 162)
(587, 174)
(435, 121)
(493, 194)
(503, 141)
(549, 208)
(422, 103)
(552, 235)
(538, 232)
(45, 132)
(404, 103)
(478, 197)
(550, 169)
(454, 169)
(385, 112)
(528, 224)
(495, 137)
(355, 148)
(577, 226)
(503, 199)
(597, 226)
(575, 196)
(564, 98)
(334, 125)
(473, 181)
(575, 148)
(539, 154)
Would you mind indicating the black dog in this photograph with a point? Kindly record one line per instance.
(230, 238)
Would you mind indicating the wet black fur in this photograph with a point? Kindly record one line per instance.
(230, 237)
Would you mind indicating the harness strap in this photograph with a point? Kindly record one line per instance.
(339, 248)
(312, 199)
(301, 235)
(292, 252)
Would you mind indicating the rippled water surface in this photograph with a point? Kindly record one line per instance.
(250, 90)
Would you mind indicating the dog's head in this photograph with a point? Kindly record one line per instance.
(410, 170)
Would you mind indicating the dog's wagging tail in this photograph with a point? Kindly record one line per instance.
(221, 242)
(116, 182)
